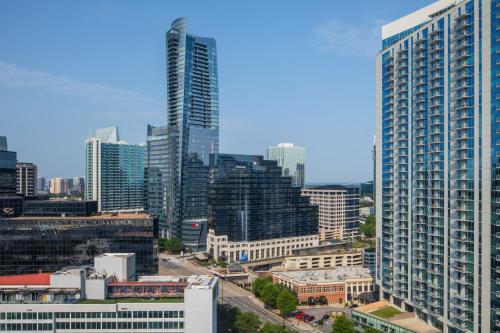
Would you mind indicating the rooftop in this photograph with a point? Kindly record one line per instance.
(40, 279)
(112, 216)
(337, 274)
(384, 310)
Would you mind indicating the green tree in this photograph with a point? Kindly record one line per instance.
(269, 294)
(368, 229)
(172, 245)
(286, 302)
(247, 322)
(226, 318)
(259, 284)
(274, 328)
(371, 330)
(343, 325)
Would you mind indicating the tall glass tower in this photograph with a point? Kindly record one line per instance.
(193, 127)
(438, 164)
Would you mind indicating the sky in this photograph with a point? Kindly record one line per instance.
(289, 71)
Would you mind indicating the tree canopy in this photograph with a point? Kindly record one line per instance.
(247, 322)
(343, 325)
(286, 302)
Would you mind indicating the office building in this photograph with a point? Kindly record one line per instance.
(26, 179)
(7, 169)
(114, 172)
(326, 286)
(366, 189)
(155, 202)
(438, 176)
(338, 210)
(291, 159)
(193, 127)
(42, 184)
(108, 297)
(48, 243)
(254, 212)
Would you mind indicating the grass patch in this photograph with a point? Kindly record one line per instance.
(131, 300)
(386, 312)
(360, 244)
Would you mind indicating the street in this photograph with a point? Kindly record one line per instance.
(228, 292)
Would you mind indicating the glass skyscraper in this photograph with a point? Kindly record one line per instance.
(114, 172)
(193, 126)
(7, 169)
(438, 164)
(155, 202)
(291, 159)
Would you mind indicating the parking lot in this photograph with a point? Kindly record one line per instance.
(319, 312)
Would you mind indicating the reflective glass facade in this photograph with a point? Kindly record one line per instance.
(438, 233)
(7, 172)
(48, 244)
(155, 202)
(250, 200)
(193, 125)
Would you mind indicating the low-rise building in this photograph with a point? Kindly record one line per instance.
(334, 259)
(108, 297)
(327, 286)
(384, 317)
(221, 247)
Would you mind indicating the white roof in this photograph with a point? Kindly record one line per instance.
(417, 17)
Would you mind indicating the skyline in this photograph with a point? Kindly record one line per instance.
(123, 83)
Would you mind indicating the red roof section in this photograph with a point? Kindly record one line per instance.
(40, 279)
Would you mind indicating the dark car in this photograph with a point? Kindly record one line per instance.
(310, 318)
(305, 317)
(325, 317)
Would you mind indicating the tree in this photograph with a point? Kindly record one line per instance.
(371, 330)
(247, 322)
(226, 318)
(172, 245)
(269, 294)
(343, 325)
(274, 328)
(259, 284)
(286, 302)
(368, 229)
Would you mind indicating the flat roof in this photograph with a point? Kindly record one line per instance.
(39, 279)
(120, 216)
(332, 275)
(407, 320)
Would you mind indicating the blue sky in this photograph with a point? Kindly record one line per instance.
(289, 71)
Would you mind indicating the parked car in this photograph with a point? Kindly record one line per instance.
(325, 317)
(310, 318)
(304, 318)
(299, 315)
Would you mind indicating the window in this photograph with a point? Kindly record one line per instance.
(109, 314)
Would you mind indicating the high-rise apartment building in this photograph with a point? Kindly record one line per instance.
(254, 212)
(26, 183)
(193, 125)
(438, 171)
(42, 184)
(155, 200)
(291, 159)
(338, 210)
(7, 169)
(114, 172)
(78, 185)
(58, 185)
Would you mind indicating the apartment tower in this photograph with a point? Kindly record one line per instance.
(437, 162)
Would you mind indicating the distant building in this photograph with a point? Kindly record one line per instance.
(26, 182)
(58, 186)
(254, 212)
(108, 297)
(114, 172)
(291, 159)
(369, 260)
(327, 286)
(7, 169)
(78, 185)
(366, 189)
(320, 261)
(49, 243)
(42, 185)
(155, 201)
(338, 210)
(193, 128)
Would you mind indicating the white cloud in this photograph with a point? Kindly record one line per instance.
(12, 76)
(347, 39)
